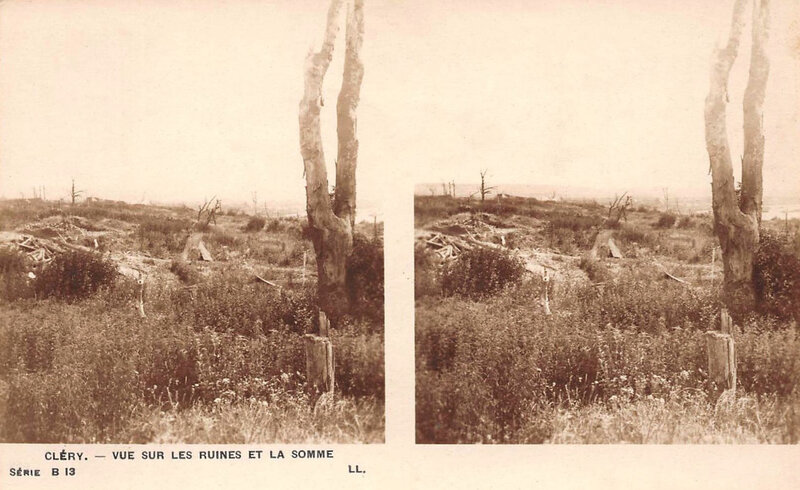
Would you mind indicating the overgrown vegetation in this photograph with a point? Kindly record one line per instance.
(481, 272)
(162, 237)
(365, 278)
(777, 276)
(622, 357)
(75, 275)
(256, 223)
(219, 357)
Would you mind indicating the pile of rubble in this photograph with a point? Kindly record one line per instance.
(37, 250)
(449, 238)
(447, 247)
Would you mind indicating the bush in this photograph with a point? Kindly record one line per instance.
(256, 223)
(365, 278)
(75, 275)
(481, 272)
(776, 272)
(359, 362)
(161, 236)
(14, 281)
(227, 305)
(595, 269)
(666, 220)
(426, 276)
(185, 272)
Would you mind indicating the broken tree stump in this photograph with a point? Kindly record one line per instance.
(721, 363)
(319, 364)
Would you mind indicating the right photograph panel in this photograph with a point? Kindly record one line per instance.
(607, 232)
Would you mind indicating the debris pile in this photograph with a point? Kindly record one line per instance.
(450, 237)
(37, 250)
(447, 247)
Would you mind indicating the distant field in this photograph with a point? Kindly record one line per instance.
(621, 358)
(218, 357)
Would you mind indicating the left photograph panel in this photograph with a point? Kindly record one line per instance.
(191, 250)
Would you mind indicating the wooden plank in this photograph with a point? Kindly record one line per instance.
(204, 253)
(664, 270)
(614, 250)
(259, 278)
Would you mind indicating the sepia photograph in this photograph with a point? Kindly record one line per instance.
(191, 250)
(607, 229)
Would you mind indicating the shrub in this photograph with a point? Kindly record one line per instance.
(426, 276)
(222, 238)
(776, 273)
(161, 236)
(256, 223)
(595, 269)
(481, 272)
(227, 305)
(75, 275)
(359, 363)
(14, 281)
(274, 225)
(666, 220)
(185, 272)
(365, 278)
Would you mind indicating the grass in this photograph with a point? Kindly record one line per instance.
(623, 361)
(218, 359)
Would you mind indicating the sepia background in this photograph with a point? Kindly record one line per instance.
(420, 120)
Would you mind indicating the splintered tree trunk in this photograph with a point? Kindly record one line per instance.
(720, 348)
(737, 224)
(332, 224)
(319, 363)
(346, 122)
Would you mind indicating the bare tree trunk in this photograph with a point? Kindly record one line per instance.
(738, 228)
(332, 224)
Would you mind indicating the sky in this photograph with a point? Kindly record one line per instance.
(176, 101)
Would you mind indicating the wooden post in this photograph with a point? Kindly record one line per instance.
(726, 322)
(713, 263)
(141, 297)
(319, 359)
(721, 351)
(319, 364)
(546, 280)
(305, 258)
